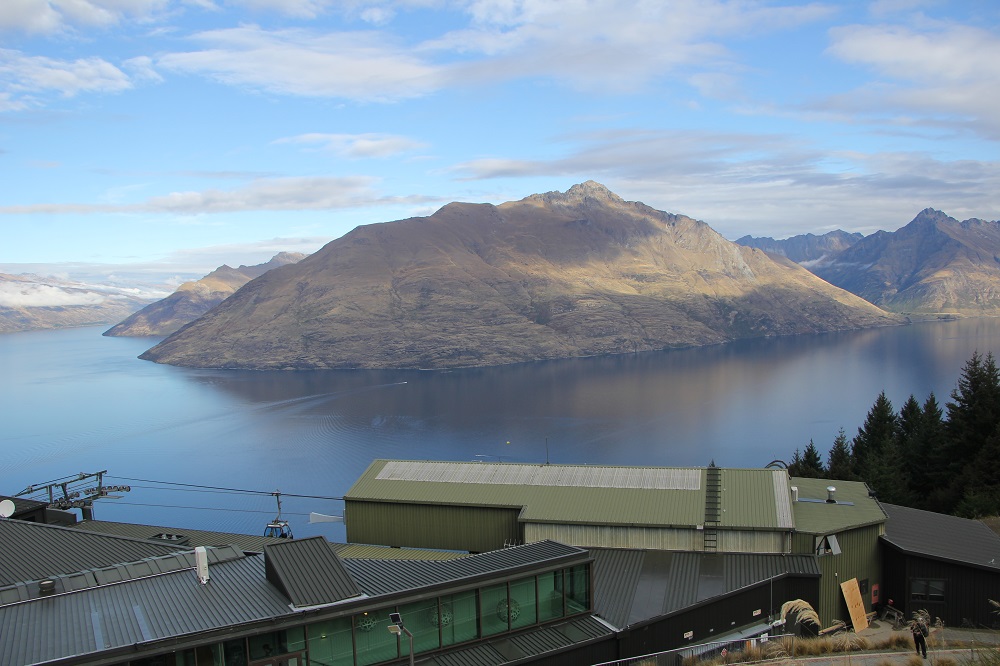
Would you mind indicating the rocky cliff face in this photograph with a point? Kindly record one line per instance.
(804, 248)
(933, 265)
(193, 299)
(554, 275)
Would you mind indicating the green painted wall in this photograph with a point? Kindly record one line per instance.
(475, 529)
(859, 558)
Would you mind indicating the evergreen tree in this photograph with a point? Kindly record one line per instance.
(796, 466)
(973, 417)
(876, 434)
(928, 464)
(812, 463)
(839, 464)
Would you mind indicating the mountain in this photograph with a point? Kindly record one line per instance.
(553, 275)
(804, 248)
(29, 302)
(933, 265)
(193, 299)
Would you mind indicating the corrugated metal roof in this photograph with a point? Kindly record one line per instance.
(386, 576)
(247, 542)
(582, 494)
(756, 499)
(819, 517)
(954, 539)
(365, 551)
(308, 572)
(33, 551)
(137, 611)
(633, 586)
(116, 573)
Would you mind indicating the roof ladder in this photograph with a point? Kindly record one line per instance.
(713, 507)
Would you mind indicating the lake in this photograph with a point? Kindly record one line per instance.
(75, 401)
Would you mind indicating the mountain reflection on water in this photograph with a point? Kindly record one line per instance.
(80, 402)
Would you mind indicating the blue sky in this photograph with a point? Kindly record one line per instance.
(177, 135)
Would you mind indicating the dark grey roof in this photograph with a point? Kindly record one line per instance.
(386, 576)
(942, 537)
(527, 644)
(247, 542)
(631, 586)
(308, 572)
(115, 574)
(137, 611)
(33, 551)
(22, 505)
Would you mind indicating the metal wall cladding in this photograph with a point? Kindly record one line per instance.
(860, 558)
(471, 528)
(599, 536)
(966, 588)
(750, 541)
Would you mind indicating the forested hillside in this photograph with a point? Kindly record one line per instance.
(925, 456)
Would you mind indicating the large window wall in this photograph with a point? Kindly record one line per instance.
(364, 639)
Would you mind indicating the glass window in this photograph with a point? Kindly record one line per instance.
(459, 620)
(578, 594)
(330, 643)
(522, 603)
(926, 589)
(234, 653)
(495, 609)
(550, 597)
(373, 641)
(210, 655)
(422, 619)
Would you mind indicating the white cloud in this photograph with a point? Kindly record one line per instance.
(358, 146)
(27, 295)
(941, 77)
(355, 65)
(290, 193)
(50, 16)
(25, 77)
(746, 183)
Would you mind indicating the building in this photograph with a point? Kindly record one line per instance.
(945, 565)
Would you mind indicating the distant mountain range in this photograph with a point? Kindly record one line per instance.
(30, 302)
(804, 248)
(553, 275)
(934, 265)
(195, 298)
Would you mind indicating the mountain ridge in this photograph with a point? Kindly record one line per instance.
(553, 275)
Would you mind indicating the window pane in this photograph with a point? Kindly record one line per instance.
(495, 609)
(918, 590)
(935, 590)
(372, 639)
(522, 603)
(234, 652)
(578, 595)
(550, 598)
(330, 643)
(459, 620)
(422, 620)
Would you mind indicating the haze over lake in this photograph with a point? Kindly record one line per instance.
(75, 401)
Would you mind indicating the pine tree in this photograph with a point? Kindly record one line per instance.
(839, 464)
(928, 464)
(973, 417)
(812, 462)
(796, 466)
(877, 433)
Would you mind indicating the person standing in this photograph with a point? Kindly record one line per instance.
(920, 631)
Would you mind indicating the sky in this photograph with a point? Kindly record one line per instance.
(169, 137)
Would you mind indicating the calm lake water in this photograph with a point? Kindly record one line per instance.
(74, 401)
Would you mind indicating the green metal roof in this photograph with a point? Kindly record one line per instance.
(854, 506)
(583, 494)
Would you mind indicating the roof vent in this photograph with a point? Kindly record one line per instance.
(830, 499)
(179, 539)
(46, 587)
(795, 493)
(201, 563)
